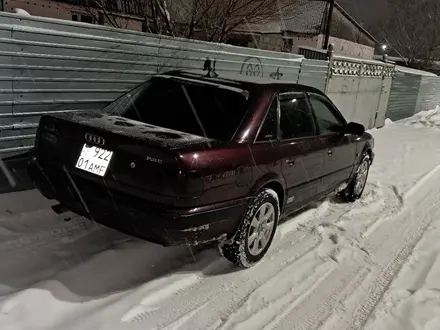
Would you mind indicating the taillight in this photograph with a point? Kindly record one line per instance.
(50, 127)
(49, 137)
(49, 132)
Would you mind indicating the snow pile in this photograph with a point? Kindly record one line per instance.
(20, 11)
(430, 118)
(388, 122)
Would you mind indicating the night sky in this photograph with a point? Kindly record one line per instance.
(366, 12)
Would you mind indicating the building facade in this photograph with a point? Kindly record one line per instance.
(72, 10)
(305, 24)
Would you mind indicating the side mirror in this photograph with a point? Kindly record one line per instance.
(355, 129)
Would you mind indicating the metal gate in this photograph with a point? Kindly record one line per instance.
(383, 102)
(359, 88)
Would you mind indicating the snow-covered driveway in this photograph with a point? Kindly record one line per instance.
(328, 268)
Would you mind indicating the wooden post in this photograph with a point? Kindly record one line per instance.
(329, 23)
(330, 58)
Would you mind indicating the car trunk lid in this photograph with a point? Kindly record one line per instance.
(137, 155)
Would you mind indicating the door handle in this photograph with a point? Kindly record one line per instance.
(330, 152)
(290, 162)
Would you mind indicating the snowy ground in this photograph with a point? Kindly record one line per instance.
(329, 267)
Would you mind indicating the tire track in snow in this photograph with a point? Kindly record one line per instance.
(302, 241)
(411, 230)
(390, 245)
(190, 281)
(383, 281)
(239, 319)
(229, 294)
(182, 320)
(316, 307)
(161, 290)
(379, 203)
(406, 200)
(300, 232)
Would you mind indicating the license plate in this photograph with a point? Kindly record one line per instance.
(94, 160)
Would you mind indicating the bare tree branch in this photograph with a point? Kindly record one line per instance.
(211, 20)
(413, 31)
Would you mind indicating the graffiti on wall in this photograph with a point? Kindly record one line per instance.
(252, 66)
(277, 75)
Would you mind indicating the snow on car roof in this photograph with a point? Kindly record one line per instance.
(239, 80)
(209, 83)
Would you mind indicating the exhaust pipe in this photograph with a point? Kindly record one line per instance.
(59, 208)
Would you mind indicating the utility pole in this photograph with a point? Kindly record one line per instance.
(329, 23)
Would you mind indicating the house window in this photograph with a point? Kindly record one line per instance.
(288, 45)
(87, 19)
(77, 17)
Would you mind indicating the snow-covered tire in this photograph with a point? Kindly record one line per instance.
(357, 185)
(256, 232)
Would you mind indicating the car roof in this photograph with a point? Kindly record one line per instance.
(240, 81)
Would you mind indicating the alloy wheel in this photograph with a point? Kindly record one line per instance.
(260, 229)
(361, 177)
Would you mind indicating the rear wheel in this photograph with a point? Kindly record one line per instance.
(356, 187)
(256, 232)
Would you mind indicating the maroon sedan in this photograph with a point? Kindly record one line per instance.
(188, 158)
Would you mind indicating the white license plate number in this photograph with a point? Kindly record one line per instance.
(94, 160)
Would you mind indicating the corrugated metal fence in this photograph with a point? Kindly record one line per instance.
(403, 97)
(413, 91)
(51, 65)
(429, 93)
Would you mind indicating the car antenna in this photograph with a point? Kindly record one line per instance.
(211, 69)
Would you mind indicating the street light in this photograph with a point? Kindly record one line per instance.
(382, 48)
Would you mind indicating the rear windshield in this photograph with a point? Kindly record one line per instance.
(194, 108)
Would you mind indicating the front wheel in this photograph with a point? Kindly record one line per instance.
(256, 231)
(356, 187)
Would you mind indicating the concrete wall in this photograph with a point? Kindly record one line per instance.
(275, 42)
(271, 41)
(307, 41)
(349, 48)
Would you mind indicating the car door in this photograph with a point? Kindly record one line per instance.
(300, 149)
(339, 149)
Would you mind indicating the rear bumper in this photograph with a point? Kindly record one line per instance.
(157, 223)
